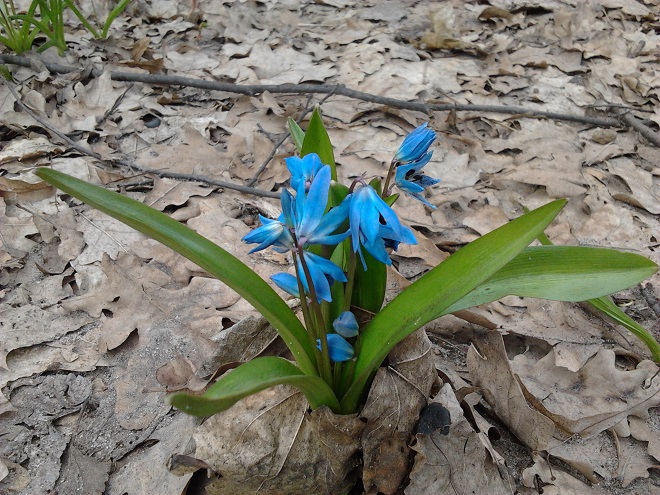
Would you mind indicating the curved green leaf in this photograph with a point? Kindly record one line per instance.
(440, 288)
(561, 273)
(317, 141)
(199, 250)
(297, 134)
(607, 306)
(252, 377)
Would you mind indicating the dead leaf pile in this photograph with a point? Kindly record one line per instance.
(98, 323)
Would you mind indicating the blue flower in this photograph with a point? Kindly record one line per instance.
(322, 271)
(303, 169)
(271, 233)
(346, 325)
(411, 182)
(304, 222)
(305, 214)
(410, 158)
(415, 148)
(373, 224)
(338, 349)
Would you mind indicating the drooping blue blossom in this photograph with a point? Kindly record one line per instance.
(346, 325)
(415, 146)
(338, 349)
(304, 222)
(409, 179)
(375, 226)
(410, 158)
(303, 169)
(271, 233)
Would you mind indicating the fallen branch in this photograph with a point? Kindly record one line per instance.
(640, 127)
(335, 89)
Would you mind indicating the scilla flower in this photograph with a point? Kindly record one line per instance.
(303, 222)
(415, 148)
(373, 224)
(338, 349)
(346, 325)
(303, 169)
(410, 158)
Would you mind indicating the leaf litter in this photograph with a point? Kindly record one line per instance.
(98, 324)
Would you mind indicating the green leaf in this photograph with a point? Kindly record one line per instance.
(607, 306)
(369, 286)
(297, 134)
(252, 377)
(440, 288)
(4, 71)
(561, 273)
(317, 141)
(199, 250)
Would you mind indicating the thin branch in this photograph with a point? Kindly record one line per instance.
(639, 126)
(130, 165)
(338, 89)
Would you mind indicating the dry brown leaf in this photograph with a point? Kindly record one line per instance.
(243, 341)
(147, 472)
(486, 219)
(643, 431)
(104, 236)
(641, 190)
(397, 395)
(455, 459)
(16, 227)
(553, 481)
(575, 335)
(28, 325)
(491, 370)
(81, 473)
(269, 442)
(133, 298)
(22, 150)
(593, 399)
(170, 192)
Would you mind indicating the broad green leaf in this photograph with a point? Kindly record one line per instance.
(440, 288)
(607, 306)
(199, 250)
(297, 134)
(317, 141)
(561, 273)
(252, 377)
(369, 286)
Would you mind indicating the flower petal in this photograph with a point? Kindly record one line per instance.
(303, 170)
(330, 222)
(271, 233)
(415, 145)
(312, 204)
(287, 282)
(346, 325)
(338, 349)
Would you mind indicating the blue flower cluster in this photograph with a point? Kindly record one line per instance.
(410, 158)
(363, 216)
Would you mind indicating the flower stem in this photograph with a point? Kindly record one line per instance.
(350, 274)
(388, 179)
(319, 321)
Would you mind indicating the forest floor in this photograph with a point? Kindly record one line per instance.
(98, 323)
